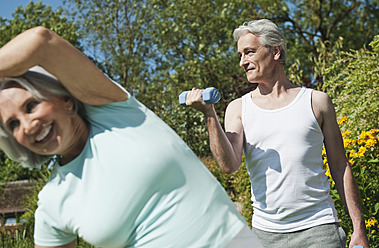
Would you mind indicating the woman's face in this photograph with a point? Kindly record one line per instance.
(44, 127)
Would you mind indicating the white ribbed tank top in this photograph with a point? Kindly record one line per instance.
(283, 147)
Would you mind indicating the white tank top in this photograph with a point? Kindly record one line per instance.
(283, 148)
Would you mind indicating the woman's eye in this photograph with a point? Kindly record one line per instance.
(31, 105)
(13, 124)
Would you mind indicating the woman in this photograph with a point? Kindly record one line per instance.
(124, 178)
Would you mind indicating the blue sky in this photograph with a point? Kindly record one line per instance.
(9, 6)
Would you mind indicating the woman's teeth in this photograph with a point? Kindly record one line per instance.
(43, 134)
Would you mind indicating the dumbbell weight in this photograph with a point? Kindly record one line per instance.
(210, 95)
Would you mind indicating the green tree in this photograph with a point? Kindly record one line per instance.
(12, 171)
(196, 40)
(156, 53)
(200, 52)
(351, 79)
(158, 48)
(38, 14)
(115, 34)
(307, 23)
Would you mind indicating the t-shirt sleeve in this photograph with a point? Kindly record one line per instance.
(47, 233)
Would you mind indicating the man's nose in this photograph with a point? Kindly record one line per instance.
(243, 61)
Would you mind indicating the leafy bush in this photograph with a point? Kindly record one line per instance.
(237, 185)
(363, 154)
(351, 80)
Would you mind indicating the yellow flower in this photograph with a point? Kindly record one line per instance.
(370, 222)
(373, 132)
(348, 142)
(346, 133)
(370, 143)
(323, 150)
(342, 120)
(363, 135)
(327, 173)
(361, 151)
(353, 154)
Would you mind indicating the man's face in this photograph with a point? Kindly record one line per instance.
(257, 60)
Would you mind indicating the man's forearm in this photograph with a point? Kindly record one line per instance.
(350, 196)
(221, 147)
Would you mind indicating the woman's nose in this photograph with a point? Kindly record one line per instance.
(30, 126)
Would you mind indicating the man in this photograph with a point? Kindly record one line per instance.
(281, 129)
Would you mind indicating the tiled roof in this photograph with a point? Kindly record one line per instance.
(13, 195)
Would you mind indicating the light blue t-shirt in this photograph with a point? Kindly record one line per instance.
(135, 184)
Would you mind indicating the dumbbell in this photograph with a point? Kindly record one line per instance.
(210, 95)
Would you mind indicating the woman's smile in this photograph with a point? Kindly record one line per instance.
(46, 127)
(44, 134)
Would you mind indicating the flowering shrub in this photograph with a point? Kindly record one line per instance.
(363, 154)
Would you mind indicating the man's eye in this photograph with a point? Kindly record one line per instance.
(31, 105)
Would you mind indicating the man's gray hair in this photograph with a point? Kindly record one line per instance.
(268, 33)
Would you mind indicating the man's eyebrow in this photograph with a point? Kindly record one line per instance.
(249, 48)
(246, 49)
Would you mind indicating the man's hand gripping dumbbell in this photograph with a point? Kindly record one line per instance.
(210, 96)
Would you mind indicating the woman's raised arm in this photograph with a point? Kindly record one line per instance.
(41, 46)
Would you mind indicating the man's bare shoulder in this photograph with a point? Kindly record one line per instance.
(234, 107)
(235, 102)
(321, 100)
(320, 95)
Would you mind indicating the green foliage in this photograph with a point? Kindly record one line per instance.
(115, 33)
(195, 38)
(21, 240)
(31, 205)
(159, 48)
(38, 14)
(12, 171)
(305, 23)
(363, 154)
(351, 79)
